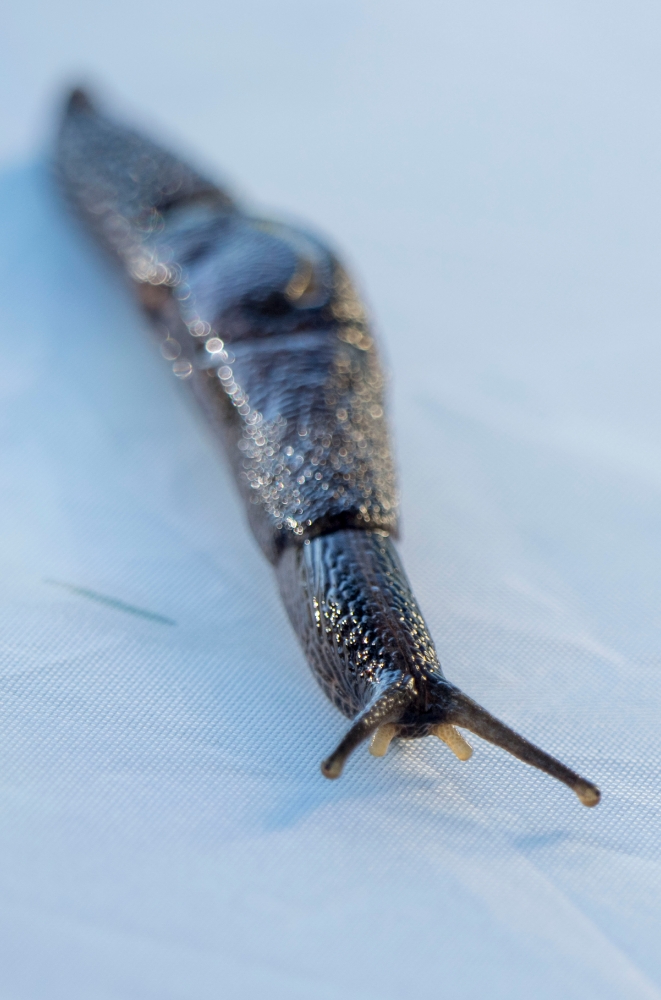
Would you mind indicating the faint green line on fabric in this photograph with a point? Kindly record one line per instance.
(112, 602)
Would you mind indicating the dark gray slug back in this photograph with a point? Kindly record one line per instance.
(265, 324)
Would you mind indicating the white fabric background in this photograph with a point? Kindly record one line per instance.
(492, 171)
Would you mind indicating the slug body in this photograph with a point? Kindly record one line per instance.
(265, 324)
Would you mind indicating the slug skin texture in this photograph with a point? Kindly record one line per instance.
(265, 325)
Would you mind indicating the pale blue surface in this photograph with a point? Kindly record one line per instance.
(493, 170)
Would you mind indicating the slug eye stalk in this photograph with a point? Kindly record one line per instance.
(381, 723)
(378, 718)
(470, 715)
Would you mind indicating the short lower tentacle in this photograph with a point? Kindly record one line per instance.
(387, 709)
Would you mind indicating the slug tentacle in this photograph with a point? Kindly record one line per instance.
(452, 738)
(383, 737)
(387, 709)
(470, 715)
(353, 609)
(264, 323)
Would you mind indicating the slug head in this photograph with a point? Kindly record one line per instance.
(366, 640)
(400, 712)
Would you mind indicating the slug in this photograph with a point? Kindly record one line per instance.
(265, 324)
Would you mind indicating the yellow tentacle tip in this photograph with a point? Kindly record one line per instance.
(453, 738)
(588, 794)
(332, 767)
(382, 739)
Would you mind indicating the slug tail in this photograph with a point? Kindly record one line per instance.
(78, 100)
(469, 715)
